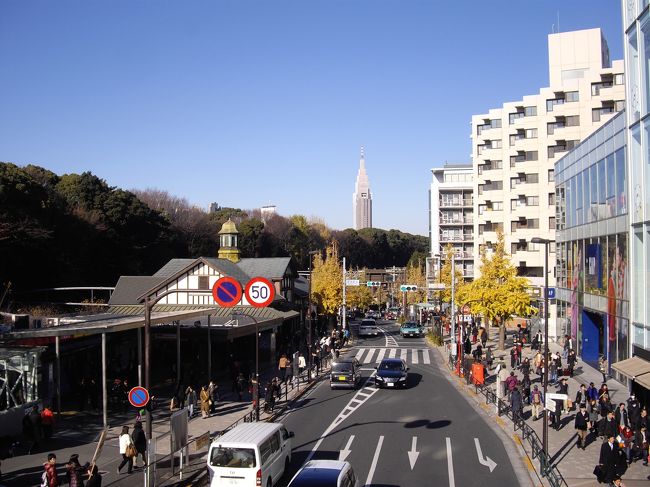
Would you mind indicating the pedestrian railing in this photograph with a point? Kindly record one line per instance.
(546, 467)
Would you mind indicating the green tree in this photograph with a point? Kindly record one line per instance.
(327, 281)
(445, 278)
(499, 293)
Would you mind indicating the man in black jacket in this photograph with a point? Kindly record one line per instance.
(582, 425)
(640, 449)
(609, 459)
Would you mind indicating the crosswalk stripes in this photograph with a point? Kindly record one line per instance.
(409, 355)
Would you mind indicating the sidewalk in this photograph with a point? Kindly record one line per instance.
(78, 432)
(575, 465)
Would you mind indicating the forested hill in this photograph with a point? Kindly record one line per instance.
(76, 230)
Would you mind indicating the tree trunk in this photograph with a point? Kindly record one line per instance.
(502, 335)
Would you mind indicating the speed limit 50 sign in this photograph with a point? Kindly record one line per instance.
(260, 292)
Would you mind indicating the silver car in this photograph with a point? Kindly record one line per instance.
(368, 327)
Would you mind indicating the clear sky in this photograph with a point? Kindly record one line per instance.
(249, 103)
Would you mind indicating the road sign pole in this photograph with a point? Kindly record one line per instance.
(344, 307)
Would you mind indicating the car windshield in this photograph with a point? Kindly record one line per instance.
(233, 457)
(341, 367)
(390, 366)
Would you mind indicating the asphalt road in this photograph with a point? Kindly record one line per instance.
(425, 434)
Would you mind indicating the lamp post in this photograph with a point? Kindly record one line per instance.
(309, 339)
(546, 242)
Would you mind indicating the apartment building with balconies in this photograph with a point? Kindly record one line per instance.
(452, 215)
(515, 147)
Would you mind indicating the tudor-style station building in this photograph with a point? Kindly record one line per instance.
(194, 339)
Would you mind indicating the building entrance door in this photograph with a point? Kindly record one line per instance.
(593, 334)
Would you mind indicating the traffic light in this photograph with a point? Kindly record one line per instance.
(408, 287)
(373, 283)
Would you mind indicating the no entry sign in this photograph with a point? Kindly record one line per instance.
(138, 397)
(260, 292)
(227, 292)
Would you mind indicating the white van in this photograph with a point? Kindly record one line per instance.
(250, 455)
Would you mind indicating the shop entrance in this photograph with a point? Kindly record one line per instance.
(593, 337)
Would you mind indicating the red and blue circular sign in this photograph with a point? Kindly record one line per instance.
(227, 292)
(138, 397)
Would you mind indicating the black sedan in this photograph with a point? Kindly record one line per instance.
(392, 372)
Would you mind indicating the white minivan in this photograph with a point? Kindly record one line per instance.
(250, 455)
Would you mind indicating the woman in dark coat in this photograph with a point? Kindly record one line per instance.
(94, 477)
(140, 443)
(516, 403)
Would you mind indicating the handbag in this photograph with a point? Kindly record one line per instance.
(598, 472)
(131, 451)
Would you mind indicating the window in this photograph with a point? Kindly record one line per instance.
(551, 103)
(497, 205)
(619, 105)
(551, 223)
(496, 144)
(204, 282)
(530, 111)
(572, 120)
(512, 117)
(619, 79)
(570, 96)
(596, 87)
(532, 201)
(520, 246)
(531, 133)
(551, 199)
(551, 175)
(531, 178)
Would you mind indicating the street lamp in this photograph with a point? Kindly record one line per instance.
(546, 242)
(309, 339)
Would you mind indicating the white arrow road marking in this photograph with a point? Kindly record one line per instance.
(374, 462)
(413, 454)
(487, 461)
(346, 451)
(450, 465)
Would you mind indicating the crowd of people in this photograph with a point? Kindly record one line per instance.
(623, 428)
(76, 475)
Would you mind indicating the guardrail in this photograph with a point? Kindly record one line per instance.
(546, 467)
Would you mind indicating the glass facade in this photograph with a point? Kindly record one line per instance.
(592, 244)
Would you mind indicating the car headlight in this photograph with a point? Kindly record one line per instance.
(379, 378)
(402, 378)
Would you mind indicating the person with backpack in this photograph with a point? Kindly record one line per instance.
(537, 402)
(49, 478)
(74, 471)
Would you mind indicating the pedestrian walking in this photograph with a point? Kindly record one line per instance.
(592, 392)
(563, 388)
(50, 478)
(204, 397)
(608, 426)
(556, 415)
(621, 417)
(511, 382)
(140, 442)
(301, 364)
(634, 412)
(74, 471)
(282, 367)
(190, 400)
(571, 361)
(513, 357)
(581, 425)
(592, 410)
(581, 396)
(516, 404)
(603, 367)
(94, 477)
(213, 391)
(641, 441)
(126, 449)
(33, 429)
(537, 402)
(609, 460)
(489, 359)
(242, 384)
(47, 422)
(269, 397)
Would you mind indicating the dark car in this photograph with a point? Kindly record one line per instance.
(392, 372)
(345, 373)
(325, 473)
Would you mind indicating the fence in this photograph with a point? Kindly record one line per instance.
(546, 467)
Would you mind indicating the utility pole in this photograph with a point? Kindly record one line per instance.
(454, 349)
(344, 284)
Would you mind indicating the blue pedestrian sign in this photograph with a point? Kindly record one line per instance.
(550, 293)
(138, 397)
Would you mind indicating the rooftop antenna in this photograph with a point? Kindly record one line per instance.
(558, 21)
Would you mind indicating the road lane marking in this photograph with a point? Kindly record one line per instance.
(403, 354)
(380, 355)
(343, 454)
(392, 352)
(413, 454)
(414, 356)
(360, 354)
(347, 410)
(487, 461)
(450, 465)
(373, 466)
(370, 359)
(426, 357)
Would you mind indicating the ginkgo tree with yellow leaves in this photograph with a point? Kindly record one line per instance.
(415, 275)
(445, 278)
(327, 281)
(499, 293)
(359, 297)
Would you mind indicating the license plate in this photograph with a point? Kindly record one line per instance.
(390, 384)
(342, 377)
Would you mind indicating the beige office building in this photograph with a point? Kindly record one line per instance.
(515, 147)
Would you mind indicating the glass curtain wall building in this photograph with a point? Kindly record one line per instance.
(592, 255)
(636, 25)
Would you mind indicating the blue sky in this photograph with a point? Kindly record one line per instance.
(249, 103)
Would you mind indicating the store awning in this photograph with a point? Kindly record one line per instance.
(643, 380)
(632, 367)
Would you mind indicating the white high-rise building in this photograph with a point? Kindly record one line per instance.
(514, 147)
(451, 215)
(362, 198)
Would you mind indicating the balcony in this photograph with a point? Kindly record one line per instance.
(456, 203)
